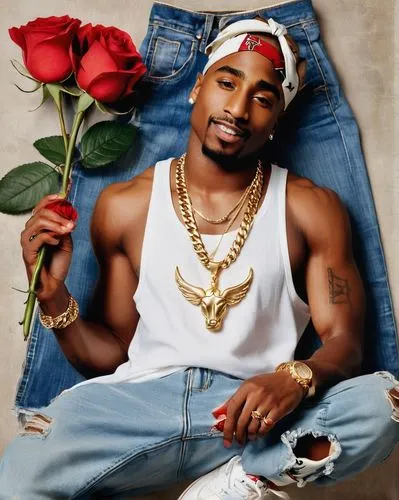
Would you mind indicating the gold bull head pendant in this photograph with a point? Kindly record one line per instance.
(213, 302)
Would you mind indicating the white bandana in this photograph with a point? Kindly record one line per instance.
(229, 41)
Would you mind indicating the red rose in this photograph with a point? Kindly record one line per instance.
(106, 62)
(63, 208)
(45, 43)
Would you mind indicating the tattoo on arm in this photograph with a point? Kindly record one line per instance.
(338, 288)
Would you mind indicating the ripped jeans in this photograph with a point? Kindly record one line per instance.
(132, 438)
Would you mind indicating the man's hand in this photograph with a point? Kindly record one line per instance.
(273, 395)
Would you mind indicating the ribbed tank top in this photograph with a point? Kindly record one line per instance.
(258, 333)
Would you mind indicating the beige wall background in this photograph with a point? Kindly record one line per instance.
(362, 38)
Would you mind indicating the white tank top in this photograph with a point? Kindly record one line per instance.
(257, 334)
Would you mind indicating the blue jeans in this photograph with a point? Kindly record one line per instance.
(132, 438)
(317, 139)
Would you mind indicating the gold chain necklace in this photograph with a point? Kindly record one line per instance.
(213, 301)
(225, 217)
(234, 217)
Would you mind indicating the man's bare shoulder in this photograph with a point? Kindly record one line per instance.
(317, 211)
(123, 206)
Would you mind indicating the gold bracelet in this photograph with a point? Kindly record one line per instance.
(64, 319)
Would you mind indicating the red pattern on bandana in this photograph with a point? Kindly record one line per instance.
(256, 44)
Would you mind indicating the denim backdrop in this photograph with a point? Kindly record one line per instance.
(318, 139)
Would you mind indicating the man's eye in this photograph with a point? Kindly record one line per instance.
(225, 84)
(263, 101)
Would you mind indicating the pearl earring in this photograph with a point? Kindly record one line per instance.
(271, 137)
(191, 100)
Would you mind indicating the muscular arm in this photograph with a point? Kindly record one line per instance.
(334, 288)
(98, 344)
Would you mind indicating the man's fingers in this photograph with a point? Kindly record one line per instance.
(244, 420)
(48, 215)
(270, 419)
(253, 428)
(234, 406)
(45, 200)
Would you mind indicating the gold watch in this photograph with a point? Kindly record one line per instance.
(301, 373)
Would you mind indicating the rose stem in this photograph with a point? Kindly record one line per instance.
(62, 123)
(30, 303)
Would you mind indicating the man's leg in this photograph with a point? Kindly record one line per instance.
(354, 425)
(89, 433)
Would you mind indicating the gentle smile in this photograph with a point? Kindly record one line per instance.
(229, 133)
(228, 130)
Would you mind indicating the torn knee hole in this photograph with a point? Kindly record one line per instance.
(305, 450)
(38, 424)
(314, 448)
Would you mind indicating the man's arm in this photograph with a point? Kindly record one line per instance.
(336, 299)
(334, 287)
(98, 344)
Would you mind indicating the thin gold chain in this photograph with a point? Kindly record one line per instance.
(225, 217)
(254, 197)
(238, 210)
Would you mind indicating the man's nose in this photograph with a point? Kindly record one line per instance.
(237, 106)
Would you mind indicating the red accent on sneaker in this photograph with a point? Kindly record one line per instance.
(253, 478)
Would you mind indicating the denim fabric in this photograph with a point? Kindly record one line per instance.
(318, 139)
(117, 439)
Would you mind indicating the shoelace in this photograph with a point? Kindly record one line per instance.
(241, 486)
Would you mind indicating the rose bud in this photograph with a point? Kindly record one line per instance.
(63, 208)
(220, 410)
(220, 413)
(45, 44)
(106, 62)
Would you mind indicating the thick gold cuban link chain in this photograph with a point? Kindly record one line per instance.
(254, 196)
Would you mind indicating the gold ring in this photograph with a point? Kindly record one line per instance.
(257, 414)
(268, 421)
(32, 237)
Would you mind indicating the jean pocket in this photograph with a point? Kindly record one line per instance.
(169, 53)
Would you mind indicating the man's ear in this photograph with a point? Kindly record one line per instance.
(197, 86)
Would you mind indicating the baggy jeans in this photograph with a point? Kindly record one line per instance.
(317, 139)
(131, 438)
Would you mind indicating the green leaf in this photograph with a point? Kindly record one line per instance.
(105, 142)
(25, 185)
(52, 148)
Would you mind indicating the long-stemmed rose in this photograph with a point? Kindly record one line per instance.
(105, 65)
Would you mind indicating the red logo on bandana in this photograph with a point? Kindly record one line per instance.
(252, 41)
(255, 44)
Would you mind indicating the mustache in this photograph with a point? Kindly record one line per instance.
(228, 119)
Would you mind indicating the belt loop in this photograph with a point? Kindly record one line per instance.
(209, 19)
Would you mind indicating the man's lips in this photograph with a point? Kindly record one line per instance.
(227, 132)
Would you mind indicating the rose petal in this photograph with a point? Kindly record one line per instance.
(110, 87)
(49, 62)
(63, 208)
(95, 62)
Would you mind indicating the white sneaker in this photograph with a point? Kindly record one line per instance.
(230, 482)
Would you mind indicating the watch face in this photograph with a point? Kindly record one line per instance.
(303, 371)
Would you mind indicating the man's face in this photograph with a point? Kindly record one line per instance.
(237, 105)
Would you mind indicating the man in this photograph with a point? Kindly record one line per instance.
(219, 251)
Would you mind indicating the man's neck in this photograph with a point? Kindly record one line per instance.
(205, 175)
